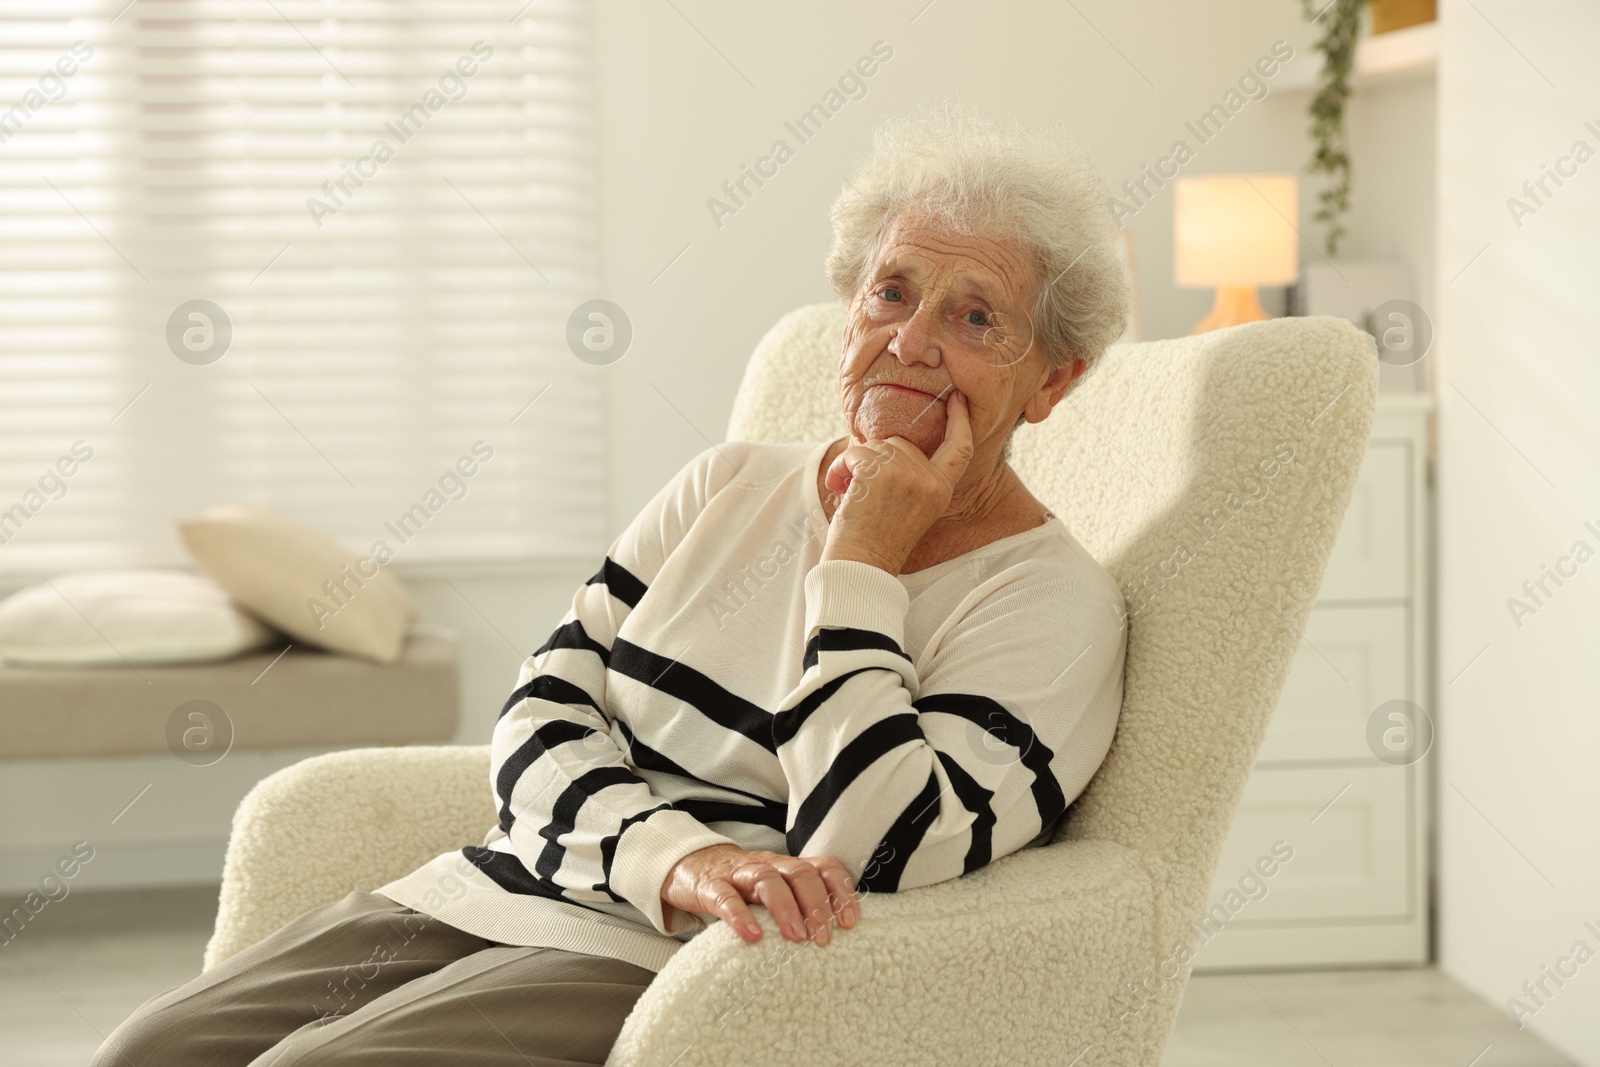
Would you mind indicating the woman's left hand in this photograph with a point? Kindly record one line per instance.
(892, 493)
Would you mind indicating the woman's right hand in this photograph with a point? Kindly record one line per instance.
(719, 879)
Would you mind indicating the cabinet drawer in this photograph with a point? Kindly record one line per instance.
(1352, 863)
(1371, 559)
(1352, 660)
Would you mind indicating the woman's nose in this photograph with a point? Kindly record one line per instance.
(914, 341)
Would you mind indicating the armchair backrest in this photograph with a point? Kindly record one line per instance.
(1209, 475)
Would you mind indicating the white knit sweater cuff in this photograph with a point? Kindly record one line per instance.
(647, 851)
(847, 592)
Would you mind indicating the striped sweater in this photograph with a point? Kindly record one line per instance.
(715, 683)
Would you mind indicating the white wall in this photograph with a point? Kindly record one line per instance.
(1392, 134)
(1520, 386)
(686, 100)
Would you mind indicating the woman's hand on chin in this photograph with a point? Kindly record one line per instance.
(892, 493)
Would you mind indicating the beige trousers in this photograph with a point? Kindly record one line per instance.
(367, 981)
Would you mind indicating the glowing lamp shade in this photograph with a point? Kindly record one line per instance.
(1234, 232)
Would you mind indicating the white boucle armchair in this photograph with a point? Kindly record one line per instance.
(1074, 952)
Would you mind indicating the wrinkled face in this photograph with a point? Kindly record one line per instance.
(938, 312)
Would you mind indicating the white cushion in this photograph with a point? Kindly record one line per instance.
(301, 581)
(113, 618)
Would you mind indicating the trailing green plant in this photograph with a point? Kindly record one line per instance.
(1341, 24)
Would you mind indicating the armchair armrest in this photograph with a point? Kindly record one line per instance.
(959, 972)
(312, 832)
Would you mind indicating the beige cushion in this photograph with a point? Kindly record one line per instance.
(115, 618)
(301, 581)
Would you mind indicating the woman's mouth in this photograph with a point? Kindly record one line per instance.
(907, 389)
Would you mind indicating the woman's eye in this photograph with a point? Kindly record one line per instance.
(977, 318)
(891, 295)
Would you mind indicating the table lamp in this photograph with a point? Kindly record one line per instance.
(1235, 232)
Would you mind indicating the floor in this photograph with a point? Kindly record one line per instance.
(85, 962)
(1415, 1017)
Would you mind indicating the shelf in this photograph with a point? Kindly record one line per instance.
(1399, 55)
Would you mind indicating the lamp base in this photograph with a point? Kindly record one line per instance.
(1235, 304)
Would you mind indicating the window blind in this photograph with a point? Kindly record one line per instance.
(316, 256)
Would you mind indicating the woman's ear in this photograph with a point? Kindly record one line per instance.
(1052, 389)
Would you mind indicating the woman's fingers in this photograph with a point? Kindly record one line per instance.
(722, 899)
(840, 889)
(955, 451)
(811, 893)
(856, 461)
(804, 894)
(770, 888)
(839, 473)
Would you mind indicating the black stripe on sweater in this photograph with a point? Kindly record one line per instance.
(564, 815)
(506, 871)
(995, 718)
(608, 848)
(682, 682)
(863, 751)
(547, 736)
(902, 839)
(785, 724)
(847, 639)
(551, 687)
(710, 811)
(975, 798)
(648, 759)
(621, 583)
(573, 635)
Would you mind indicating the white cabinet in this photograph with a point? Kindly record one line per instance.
(1352, 659)
(1355, 890)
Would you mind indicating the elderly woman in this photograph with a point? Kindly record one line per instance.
(803, 674)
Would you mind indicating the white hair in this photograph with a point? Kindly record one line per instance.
(1000, 180)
